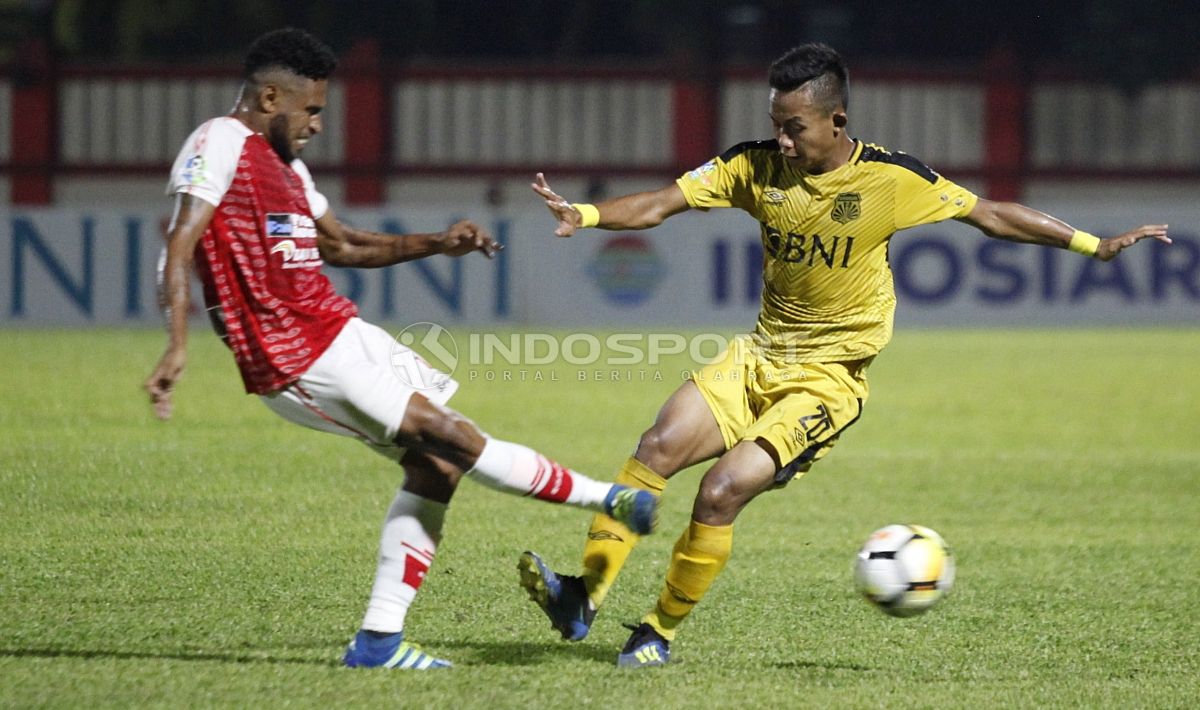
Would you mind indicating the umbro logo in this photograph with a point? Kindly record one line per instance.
(774, 196)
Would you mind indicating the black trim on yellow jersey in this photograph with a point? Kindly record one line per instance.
(735, 151)
(856, 154)
(904, 160)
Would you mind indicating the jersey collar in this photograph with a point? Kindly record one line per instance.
(828, 184)
(856, 153)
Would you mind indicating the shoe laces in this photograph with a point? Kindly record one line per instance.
(642, 634)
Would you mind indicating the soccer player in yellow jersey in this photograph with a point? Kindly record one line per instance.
(777, 400)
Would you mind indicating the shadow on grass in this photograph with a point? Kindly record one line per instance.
(519, 653)
(163, 655)
(822, 665)
(490, 653)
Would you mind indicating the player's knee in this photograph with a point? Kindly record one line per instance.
(428, 427)
(655, 450)
(717, 501)
(452, 431)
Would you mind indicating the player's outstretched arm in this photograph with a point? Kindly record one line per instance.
(343, 245)
(191, 218)
(1017, 223)
(640, 210)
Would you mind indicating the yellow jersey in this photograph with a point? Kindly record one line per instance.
(827, 287)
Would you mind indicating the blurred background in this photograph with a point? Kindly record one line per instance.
(1084, 109)
(1128, 43)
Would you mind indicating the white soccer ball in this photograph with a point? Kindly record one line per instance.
(904, 569)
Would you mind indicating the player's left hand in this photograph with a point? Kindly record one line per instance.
(1110, 247)
(464, 237)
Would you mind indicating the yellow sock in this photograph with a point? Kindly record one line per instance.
(700, 555)
(609, 542)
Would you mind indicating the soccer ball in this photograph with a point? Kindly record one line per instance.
(904, 569)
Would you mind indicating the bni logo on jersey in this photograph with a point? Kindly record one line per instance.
(415, 370)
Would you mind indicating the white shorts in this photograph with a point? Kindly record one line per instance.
(360, 387)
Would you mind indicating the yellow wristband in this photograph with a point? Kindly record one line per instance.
(591, 215)
(1084, 243)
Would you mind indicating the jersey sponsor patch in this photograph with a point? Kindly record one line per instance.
(291, 226)
(279, 225)
(195, 170)
(703, 174)
(290, 229)
(295, 257)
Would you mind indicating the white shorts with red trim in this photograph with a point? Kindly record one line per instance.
(360, 387)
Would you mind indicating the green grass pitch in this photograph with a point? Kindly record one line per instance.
(224, 558)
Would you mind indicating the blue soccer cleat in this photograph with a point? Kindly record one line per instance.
(563, 598)
(645, 647)
(632, 507)
(392, 651)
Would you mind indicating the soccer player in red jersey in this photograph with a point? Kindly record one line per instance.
(250, 219)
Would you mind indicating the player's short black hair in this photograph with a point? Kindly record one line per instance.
(294, 50)
(819, 64)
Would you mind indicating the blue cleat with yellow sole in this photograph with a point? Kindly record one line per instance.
(561, 597)
(372, 650)
(645, 648)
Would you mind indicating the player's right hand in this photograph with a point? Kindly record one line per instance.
(162, 381)
(1109, 248)
(464, 237)
(568, 217)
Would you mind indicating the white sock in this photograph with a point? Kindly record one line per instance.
(410, 537)
(518, 469)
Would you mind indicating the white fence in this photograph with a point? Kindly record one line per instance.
(144, 121)
(631, 122)
(1088, 126)
(521, 121)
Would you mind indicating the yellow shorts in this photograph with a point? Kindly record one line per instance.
(797, 410)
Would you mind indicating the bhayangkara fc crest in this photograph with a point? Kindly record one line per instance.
(846, 206)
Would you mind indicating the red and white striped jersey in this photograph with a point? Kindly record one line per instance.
(258, 260)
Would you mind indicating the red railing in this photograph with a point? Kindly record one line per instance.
(369, 155)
